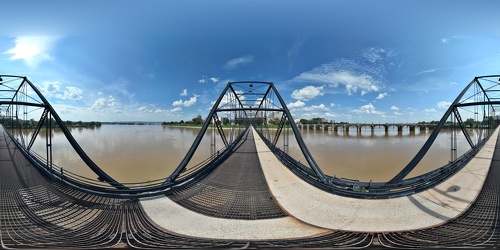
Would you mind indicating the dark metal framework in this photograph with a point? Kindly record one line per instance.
(478, 101)
(250, 103)
(239, 106)
(17, 95)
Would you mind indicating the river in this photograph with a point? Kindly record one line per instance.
(136, 153)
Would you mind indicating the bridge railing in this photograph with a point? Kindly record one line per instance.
(22, 100)
(251, 103)
(358, 189)
(134, 189)
(479, 98)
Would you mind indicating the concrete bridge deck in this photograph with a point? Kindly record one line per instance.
(312, 211)
(427, 209)
(221, 205)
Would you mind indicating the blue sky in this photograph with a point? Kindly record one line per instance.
(352, 61)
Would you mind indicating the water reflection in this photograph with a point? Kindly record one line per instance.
(133, 153)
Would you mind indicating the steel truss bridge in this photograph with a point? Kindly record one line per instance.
(45, 205)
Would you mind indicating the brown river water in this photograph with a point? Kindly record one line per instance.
(137, 153)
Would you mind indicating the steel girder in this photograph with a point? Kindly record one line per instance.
(247, 106)
(251, 109)
(452, 109)
(40, 101)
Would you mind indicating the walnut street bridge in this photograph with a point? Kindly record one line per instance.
(249, 193)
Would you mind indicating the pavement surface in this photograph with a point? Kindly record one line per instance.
(314, 212)
(426, 209)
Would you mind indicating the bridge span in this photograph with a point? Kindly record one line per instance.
(371, 126)
(249, 193)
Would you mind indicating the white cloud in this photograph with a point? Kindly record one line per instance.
(381, 95)
(190, 102)
(443, 105)
(315, 108)
(32, 49)
(353, 82)
(394, 108)
(178, 103)
(54, 89)
(50, 87)
(447, 40)
(368, 109)
(430, 110)
(398, 113)
(328, 114)
(297, 104)
(102, 103)
(425, 72)
(307, 93)
(236, 62)
(187, 103)
(184, 92)
(364, 74)
(205, 79)
(175, 110)
(71, 93)
(332, 104)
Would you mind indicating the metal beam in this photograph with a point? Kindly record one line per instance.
(305, 151)
(78, 149)
(197, 140)
(250, 109)
(41, 105)
(421, 153)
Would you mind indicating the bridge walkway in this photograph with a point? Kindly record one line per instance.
(37, 212)
(426, 209)
(232, 202)
(237, 189)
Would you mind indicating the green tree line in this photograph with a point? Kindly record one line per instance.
(33, 124)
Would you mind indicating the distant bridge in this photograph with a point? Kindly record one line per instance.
(371, 126)
(249, 186)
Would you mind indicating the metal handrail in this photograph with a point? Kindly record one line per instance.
(380, 190)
